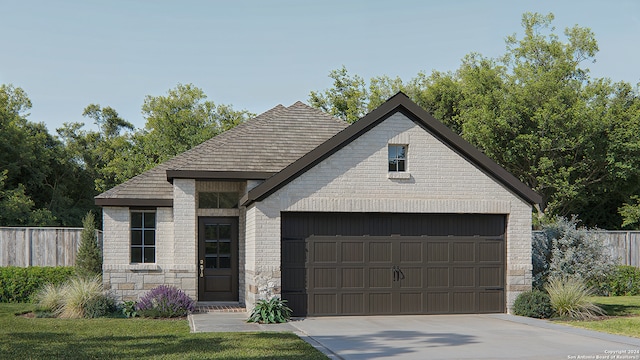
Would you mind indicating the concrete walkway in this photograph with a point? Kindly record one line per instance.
(495, 336)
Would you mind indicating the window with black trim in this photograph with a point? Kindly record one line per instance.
(397, 158)
(218, 200)
(143, 236)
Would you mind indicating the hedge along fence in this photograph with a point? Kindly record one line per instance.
(19, 284)
(40, 246)
(622, 245)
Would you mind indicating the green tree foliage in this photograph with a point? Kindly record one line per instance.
(181, 120)
(94, 151)
(535, 111)
(39, 186)
(89, 257)
(630, 213)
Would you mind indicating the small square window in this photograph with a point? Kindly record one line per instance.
(397, 158)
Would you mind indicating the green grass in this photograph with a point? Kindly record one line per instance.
(29, 338)
(623, 316)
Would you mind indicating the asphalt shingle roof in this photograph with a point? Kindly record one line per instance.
(267, 143)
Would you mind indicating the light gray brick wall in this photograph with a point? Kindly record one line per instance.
(355, 179)
(125, 280)
(185, 233)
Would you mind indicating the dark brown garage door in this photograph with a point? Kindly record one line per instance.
(365, 264)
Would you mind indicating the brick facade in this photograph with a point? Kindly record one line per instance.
(355, 179)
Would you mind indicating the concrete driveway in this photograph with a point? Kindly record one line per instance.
(496, 336)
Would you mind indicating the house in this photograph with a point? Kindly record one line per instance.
(394, 214)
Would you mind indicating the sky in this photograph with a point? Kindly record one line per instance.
(255, 54)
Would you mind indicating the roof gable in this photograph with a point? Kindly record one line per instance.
(398, 103)
(255, 149)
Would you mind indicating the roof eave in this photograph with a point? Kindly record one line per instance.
(218, 175)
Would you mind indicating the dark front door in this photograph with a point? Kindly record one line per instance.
(218, 259)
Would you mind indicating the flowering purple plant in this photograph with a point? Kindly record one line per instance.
(165, 301)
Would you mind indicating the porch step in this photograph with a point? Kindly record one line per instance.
(223, 307)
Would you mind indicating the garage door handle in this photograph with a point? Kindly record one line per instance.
(494, 288)
(397, 273)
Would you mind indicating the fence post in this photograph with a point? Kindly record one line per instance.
(27, 251)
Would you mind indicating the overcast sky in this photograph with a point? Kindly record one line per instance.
(257, 54)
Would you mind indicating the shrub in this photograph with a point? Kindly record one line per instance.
(165, 302)
(88, 259)
(78, 297)
(535, 304)
(99, 306)
(50, 298)
(562, 249)
(129, 309)
(570, 298)
(270, 311)
(624, 281)
(77, 293)
(18, 284)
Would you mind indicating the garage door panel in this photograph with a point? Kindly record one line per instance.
(491, 251)
(380, 303)
(438, 302)
(490, 276)
(490, 301)
(353, 303)
(324, 304)
(438, 277)
(412, 277)
(464, 251)
(380, 278)
(324, 278)
(411, 303)
(437, 251)
(325, 252)
(411, 252)
(463, 277)
(352, 252)
(353, 278)
(380, 252)
(463, 301)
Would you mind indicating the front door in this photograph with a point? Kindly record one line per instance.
(218, 259)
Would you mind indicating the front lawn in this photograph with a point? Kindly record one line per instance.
(623, 316)
(36, 338)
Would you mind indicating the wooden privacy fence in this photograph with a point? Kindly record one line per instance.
(622, 245)
(40, 246)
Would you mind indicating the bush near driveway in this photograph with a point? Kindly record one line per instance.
(139, 338)
(535, 304)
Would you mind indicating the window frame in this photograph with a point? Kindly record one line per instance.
(396, 159)
(219, 199)
(143, 234)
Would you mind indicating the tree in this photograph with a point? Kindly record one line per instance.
(40, 186)
(181, 120)
(89, 257)
(535, 111)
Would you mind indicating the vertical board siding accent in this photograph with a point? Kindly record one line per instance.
(40, 246)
